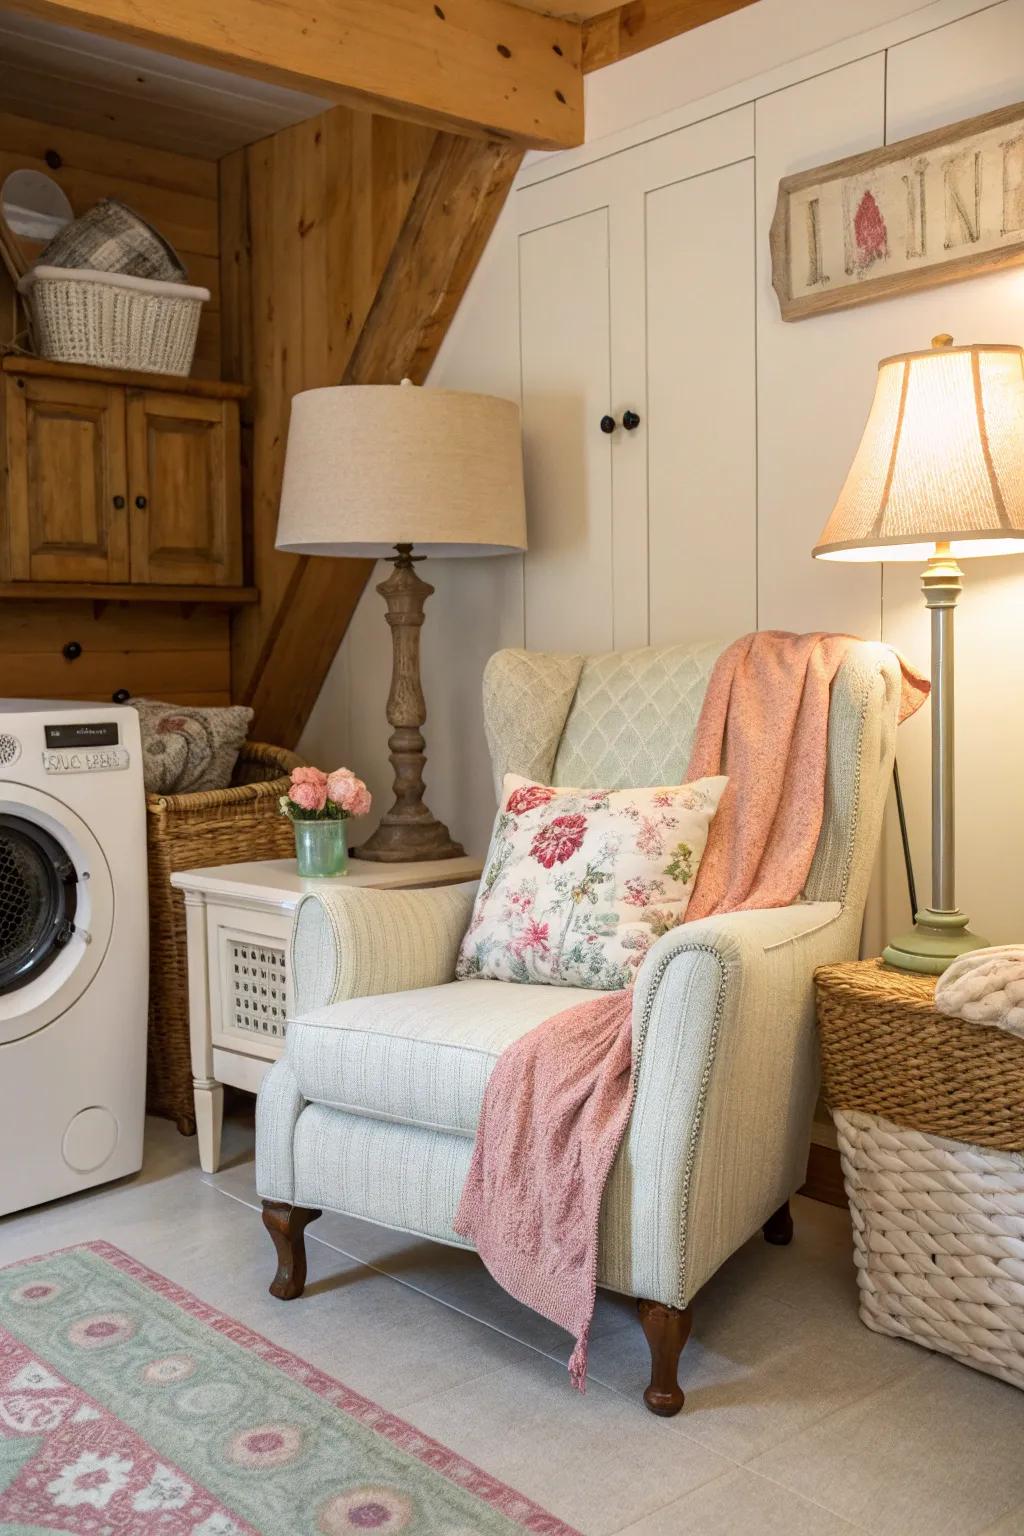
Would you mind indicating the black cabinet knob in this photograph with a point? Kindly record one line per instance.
(630, 420)
(71, 651)
(120, 696)
(140, 502)
(607, 423)
(119, 502)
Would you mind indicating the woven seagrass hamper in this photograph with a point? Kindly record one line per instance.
(217, 826)
(929, 1112)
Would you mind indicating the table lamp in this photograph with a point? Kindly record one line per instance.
(938, 476)
(378, 470)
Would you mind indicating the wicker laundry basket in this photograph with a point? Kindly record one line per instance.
(218, 826)
(929, 1112)
(106, 320)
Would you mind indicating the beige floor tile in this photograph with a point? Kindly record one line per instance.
(938, 1454)
(595, 1460)
(1010, 1525)
(741, 1504)
(756, 1371)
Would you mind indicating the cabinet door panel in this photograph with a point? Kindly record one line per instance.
(183, 477)
(702, 485)
(566, 390)
(66, 469)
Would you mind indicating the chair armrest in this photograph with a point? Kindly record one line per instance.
(351, 941)
(725, 1081)
(750, 947)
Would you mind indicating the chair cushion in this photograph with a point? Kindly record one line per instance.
(422, 1057)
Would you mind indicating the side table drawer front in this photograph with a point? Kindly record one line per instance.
(248, 957)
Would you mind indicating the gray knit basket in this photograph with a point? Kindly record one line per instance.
(114, 238)
(109, 321)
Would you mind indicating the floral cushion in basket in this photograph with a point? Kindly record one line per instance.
(186, 749)
(580, 882)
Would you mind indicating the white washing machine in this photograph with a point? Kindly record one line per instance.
(74, 948)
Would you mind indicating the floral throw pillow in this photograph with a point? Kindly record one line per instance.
(580, 882)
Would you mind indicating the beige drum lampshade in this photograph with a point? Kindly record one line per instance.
(941, 459)
(373, 465)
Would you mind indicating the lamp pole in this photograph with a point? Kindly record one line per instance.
(940, 931)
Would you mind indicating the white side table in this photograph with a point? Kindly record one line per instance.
(238, 919)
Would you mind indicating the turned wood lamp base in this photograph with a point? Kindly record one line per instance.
(408, 832)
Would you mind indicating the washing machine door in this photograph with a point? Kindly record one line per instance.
(56, 909)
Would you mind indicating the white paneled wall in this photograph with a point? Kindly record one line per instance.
(748, 424)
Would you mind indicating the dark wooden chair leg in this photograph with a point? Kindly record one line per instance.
(667, 1330)
(287, 1226)
(778, 1229)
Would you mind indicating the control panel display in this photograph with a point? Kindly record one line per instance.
(83, 733)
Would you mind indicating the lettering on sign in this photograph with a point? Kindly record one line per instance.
(943, 206)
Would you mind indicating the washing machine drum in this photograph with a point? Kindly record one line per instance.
(38, 899)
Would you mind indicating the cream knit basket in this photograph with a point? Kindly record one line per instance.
(108, 320)
(938, 1231)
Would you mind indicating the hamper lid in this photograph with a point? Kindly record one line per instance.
(114, 280)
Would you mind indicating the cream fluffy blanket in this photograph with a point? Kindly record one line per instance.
(986, 987)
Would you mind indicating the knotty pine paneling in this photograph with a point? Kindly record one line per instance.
(177, 194)
(164, 651)
(309, 220)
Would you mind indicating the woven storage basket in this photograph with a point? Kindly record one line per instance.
(107, 320)
(217, 826)
(929, 1112)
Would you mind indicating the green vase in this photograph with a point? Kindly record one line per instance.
(321, 848)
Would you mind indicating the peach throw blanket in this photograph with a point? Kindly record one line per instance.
(558, 1101)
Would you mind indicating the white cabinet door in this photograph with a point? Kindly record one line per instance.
(701, 407)
(637, 294)
(563, 278)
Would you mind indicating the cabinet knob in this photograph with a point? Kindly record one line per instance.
(119, 503)
(120, 696)
(607, 423)
(71, 651)
(140, 502)
(630, 420)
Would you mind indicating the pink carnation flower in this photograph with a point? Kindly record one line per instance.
(348, 793)
(308, 796)
(309, 776)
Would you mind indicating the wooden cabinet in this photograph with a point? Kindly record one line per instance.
(118, 478)
(67, 508)
(183, 473)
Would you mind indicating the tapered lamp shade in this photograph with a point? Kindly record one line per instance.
(370, 466)
(941, 459)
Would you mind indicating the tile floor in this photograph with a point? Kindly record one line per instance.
(798, 1420)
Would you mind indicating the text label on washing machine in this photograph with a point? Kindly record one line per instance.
(88, 760)
(82, 733)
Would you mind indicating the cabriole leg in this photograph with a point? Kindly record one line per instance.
(667, 1330)
(287, 1226)
(778, 1229)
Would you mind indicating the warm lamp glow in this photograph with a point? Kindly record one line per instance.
(941, 460)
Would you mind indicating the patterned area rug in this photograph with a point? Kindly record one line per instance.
(128, 1406)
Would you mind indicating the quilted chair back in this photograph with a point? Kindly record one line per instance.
(628, 718)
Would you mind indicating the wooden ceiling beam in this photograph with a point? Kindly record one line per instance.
(483, 67)
(627, 29)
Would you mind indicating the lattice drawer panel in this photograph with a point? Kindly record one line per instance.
(256, 992)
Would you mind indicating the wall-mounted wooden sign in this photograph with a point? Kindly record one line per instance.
(932, 209)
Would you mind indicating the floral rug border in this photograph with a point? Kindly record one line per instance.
(465, 1474)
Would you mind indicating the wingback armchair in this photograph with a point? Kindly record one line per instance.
(373, 1106)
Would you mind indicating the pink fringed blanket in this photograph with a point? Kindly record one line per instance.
(558, 1100)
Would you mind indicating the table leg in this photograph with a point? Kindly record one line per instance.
(209, 1099)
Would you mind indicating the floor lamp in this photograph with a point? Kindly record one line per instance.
(379, 470)
(938, 476)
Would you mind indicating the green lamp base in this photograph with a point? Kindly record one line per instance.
(934, 942)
